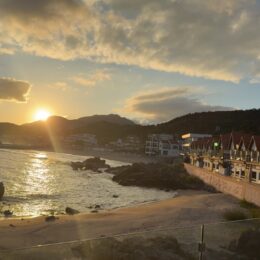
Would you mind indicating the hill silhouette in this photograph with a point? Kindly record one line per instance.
(111, 127)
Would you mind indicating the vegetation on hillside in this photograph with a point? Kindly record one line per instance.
(109, 128)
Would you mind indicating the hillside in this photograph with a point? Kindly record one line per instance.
(111, 118)
(111, 127)
(215, 122)
(59, 126)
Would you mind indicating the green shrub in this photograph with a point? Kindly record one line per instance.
(255, 213)
(234, 214)
(253, 209)
(247, 205)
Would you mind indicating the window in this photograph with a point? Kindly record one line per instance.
(243, 174)
(254, 176)
(165, 152)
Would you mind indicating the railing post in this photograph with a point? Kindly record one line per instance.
(201, 246)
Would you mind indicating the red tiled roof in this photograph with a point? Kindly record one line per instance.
(224, 141)
(236, 138)
(256, 139)
(245, 139)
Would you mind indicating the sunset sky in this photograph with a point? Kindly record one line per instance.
(148, 60)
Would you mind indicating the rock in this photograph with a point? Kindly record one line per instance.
(97, 206)
(11, 225)
(94, 211)
(156, 175)
(115, 196)
(93, 164)
(2, 190)
(77, 166)
(50, 218)
(8, 213)
(71, 211)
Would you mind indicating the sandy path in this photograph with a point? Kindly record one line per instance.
(189, 208)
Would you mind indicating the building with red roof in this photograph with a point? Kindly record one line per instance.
(234, 154)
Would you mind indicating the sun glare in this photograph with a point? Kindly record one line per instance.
(42, 114)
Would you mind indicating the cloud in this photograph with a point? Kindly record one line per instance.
(92, 79)
(60, 85)
(14, 90)
(215, 39)
(167, 103)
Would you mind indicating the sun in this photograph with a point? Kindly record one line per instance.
(42, 115)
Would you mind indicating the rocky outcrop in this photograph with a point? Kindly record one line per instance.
(93, 164)
(2, 190)
(156, 175)
(8, 213)
(71, 211)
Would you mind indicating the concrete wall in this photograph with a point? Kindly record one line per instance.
(235, 187)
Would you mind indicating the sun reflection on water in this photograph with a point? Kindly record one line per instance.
(43, 182)
(38, 183)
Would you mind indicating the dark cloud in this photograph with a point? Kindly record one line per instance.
(14, 90)
(36, 8)
(216, 39)
(167, 104)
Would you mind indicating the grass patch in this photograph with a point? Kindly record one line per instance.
(255, 213)
(234, 214)
(253, 209)
(247, 205)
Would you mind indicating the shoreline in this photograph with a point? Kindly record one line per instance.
(108, 155)
(188, 208)
(128, 158)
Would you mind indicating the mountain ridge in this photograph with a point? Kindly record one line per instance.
(110, 127)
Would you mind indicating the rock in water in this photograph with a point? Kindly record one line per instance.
(8, 213)
(50, 218)
(93, 164)
(2, 190)
(71, 211)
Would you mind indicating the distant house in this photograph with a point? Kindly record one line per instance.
(169, 148)
(234, 154)
(224, 145)
(127, 144)
(83, 139)
(254, 149)
(191, 137)
(162, 145)
(235, 138)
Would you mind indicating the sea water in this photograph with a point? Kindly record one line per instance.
(39, 183)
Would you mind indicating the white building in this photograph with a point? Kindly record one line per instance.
(162, 145)
(169, 148)
(191, 137)
(130, 143)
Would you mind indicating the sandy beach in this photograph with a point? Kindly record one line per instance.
(187, 209)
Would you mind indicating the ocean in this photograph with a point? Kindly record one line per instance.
(42, 183)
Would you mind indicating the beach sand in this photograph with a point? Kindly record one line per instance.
(187, 209)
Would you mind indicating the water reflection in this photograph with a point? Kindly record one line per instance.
(39, 182)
